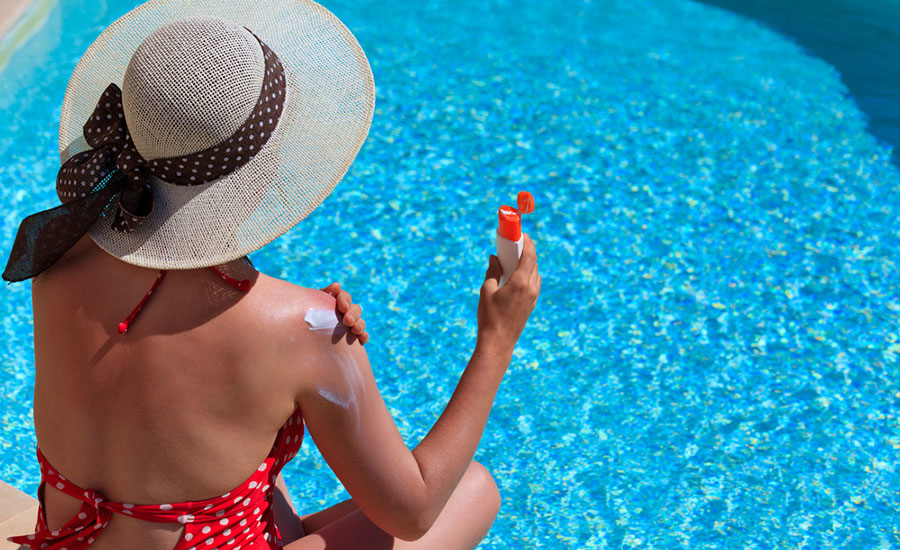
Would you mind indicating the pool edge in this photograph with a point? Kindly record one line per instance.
(12, 12)
(18, 513)
(18, 22)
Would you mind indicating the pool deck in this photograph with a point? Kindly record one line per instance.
(18, 513)
(10, 12)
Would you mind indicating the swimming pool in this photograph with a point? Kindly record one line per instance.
(714, 359)
(859, 38)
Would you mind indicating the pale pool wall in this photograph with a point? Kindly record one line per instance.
(19, 19)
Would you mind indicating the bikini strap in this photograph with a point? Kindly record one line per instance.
(123, 326)
(233, 520)
(242, 285)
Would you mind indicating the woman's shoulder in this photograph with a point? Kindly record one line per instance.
(301, 316)
(289, 299)
(307, 327)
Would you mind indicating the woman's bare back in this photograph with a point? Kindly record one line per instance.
(188, 402)
(184, 406)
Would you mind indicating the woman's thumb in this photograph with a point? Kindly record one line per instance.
(494, 270)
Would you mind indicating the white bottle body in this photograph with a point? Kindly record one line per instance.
(509, 253)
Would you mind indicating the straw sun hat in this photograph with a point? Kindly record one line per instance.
(234, 121)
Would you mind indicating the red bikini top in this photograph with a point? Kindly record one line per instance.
(241, 518)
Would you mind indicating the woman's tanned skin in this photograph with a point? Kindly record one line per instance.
(188, 402)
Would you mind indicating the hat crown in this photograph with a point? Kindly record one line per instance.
(190, 85)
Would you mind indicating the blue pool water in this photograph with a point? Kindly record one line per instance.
(860, 38)
(713, 362)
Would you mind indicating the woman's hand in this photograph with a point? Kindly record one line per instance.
(404, 492)
(503, 312)
(352, 312)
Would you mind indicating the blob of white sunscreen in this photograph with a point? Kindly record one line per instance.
(322, 319)
(348, 396)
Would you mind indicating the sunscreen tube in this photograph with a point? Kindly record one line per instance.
(509, 234)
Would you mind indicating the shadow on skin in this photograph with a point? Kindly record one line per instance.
(341, 330)
(213, 298)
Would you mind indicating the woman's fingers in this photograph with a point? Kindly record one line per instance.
(527, 269)
(352, 315)
(344, 302)
(342, 297)
(334, 289)
(492, 276)
(528, 261)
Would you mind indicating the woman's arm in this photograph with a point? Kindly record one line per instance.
(401, 491)
(289, 523)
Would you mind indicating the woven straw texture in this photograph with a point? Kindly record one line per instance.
(190, 85)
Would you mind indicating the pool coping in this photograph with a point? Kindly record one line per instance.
(18, 514)
(10, 12)
(19, 20)
(18, 511)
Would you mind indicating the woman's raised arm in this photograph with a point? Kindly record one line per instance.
(399, 490)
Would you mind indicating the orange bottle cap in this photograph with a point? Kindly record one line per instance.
(510, 227)
(525, 202)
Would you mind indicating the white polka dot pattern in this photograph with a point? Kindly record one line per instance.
(241, 518)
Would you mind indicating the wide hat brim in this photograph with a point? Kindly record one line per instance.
(326, 117)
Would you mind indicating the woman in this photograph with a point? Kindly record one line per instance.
(157, 432)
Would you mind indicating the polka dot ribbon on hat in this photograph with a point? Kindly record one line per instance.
(113, 149)
(88, 181)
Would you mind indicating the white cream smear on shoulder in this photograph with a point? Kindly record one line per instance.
(347, 397)
(335, 399)
(322, 319)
